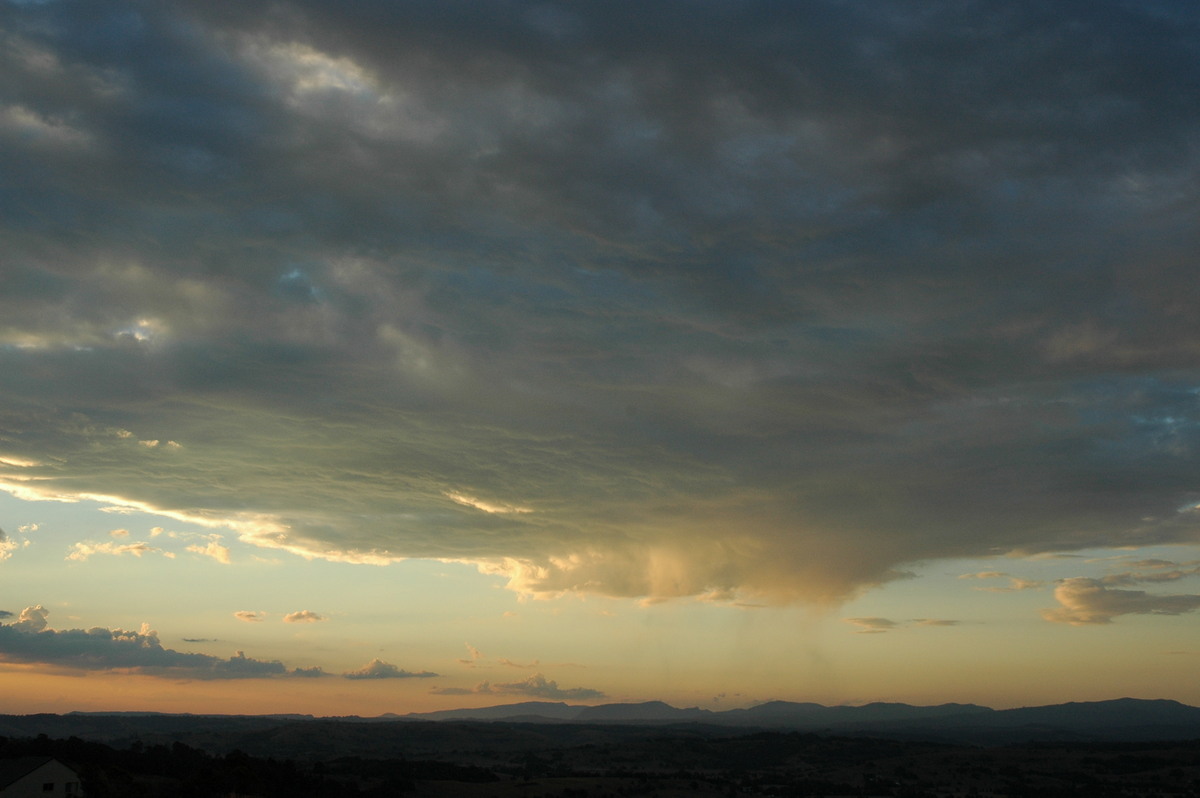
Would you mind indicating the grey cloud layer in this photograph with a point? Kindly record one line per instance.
(651, 302)
(30, 640)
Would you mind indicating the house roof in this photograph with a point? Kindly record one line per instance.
(17, 767)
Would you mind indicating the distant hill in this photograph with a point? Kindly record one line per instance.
(533, 710)
(506, 726)
(1121, 719)
(774, 714)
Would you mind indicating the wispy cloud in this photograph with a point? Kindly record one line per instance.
(881, 625)
(1015, 583)
(473, 656)
(872, 625)
(83, 550)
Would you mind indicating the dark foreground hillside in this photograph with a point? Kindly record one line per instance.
(513, 759)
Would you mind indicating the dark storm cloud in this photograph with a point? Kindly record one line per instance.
(30, 640)
(657, 301)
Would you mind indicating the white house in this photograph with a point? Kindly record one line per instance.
(37, 777)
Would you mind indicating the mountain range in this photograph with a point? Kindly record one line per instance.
(542, 722)
(1119, 719)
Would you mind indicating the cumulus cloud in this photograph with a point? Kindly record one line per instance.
(30, 639)
(1085, 601)
(212, 549)
(535, 686)
(309, 673)
(250, 616)
(7, 546)
(303, 616)
(378, 669)
(596, 307)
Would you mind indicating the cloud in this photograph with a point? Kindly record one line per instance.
(80, 552)
(1015, 583)
(7, 546)
(1085, 601)
(308, 673)
(378, 669)
(535, 686)
(538, 686)
(638, 316)
(29, 639)
(522, 665)
(881, 625)
(483, 687)
(213, 549)
(872, 625)
(474, 656)
(303, 616)
(1153, 571)
(250, 616)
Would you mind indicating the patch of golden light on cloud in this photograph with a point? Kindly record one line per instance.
(480, 504)
(268, 533)
(250, 616)
(304, 616)
(310, 70)
(688, 563)
(1084, 601)
(213, 549)
(80, 552)
(17, 462)
(257, 529)
(317, 83)
(145, 330)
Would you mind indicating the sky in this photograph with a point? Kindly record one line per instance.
(385, 357)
